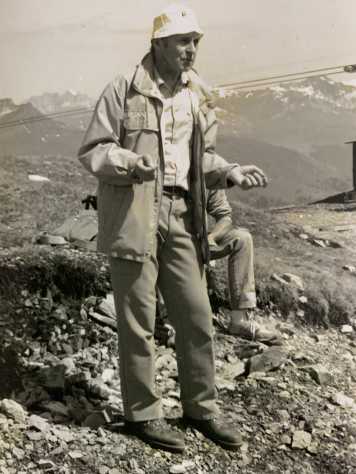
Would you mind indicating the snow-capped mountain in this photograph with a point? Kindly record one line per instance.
(296, 132)
(6, 106)
(54, 102)
(314, 111)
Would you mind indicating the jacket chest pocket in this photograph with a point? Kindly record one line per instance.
(140, 120)
(140, 114)
(140, 126)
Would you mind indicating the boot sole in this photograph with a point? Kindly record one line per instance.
(157, 444)
(223, 444)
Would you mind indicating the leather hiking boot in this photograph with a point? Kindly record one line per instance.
(216, 431)
(250, 330)
(157, 433)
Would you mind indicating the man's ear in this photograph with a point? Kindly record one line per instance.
(164, 42)
(158, 43)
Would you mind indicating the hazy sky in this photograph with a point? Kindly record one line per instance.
(55, 45)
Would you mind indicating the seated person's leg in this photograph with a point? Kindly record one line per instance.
(242, 286)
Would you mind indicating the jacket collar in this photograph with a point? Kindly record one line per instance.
(145, 83)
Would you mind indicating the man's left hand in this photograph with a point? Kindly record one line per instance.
(248, 176)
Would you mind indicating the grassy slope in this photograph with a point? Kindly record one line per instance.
(30, 207)
(329, 289)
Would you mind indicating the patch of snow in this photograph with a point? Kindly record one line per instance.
(327, 79)
(37, 178)
(278, 88)
(309, 91)
(5, 111)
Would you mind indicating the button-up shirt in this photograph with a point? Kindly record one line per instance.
(177, 129)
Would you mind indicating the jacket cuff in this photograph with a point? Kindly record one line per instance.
(228, 182)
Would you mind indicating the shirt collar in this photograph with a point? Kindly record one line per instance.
(184, 78)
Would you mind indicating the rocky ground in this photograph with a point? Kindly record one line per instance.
(60, 401)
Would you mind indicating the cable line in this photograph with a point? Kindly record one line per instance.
(325, 70)
(39, 118)
(268, 83)
(239, 85)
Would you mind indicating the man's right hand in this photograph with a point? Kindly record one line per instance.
(248, 176)
(145, 168)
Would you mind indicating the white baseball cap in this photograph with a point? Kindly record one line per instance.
(175, 20)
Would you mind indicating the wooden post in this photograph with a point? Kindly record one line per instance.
(354, 163)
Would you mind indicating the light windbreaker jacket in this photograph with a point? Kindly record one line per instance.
(126, 124)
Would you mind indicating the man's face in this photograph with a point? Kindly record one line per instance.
(178, 52)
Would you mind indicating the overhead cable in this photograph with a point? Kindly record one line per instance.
(39, 118)
(239, 85)
(310, 72)
(269, 83)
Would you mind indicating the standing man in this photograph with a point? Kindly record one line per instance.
(151, 143)
(235, 242)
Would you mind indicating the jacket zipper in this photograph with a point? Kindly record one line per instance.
(204, 236)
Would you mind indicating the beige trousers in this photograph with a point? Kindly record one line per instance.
(177, 270)
(237, 243)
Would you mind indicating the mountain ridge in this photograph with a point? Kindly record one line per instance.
(295, 131)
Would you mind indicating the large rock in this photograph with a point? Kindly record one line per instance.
(4, 423)
(271, 359)
(232, 371)
(13, 410)
(346, 329)
(96, 419)
(68, 365)
(107, 306)
(289, 279)
(343, 400)
(320, 374)
(293, 280)
(301, 440)
(108, 375)
(39, 423)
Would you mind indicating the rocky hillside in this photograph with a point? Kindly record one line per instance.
(27, 131)
(60, 399)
